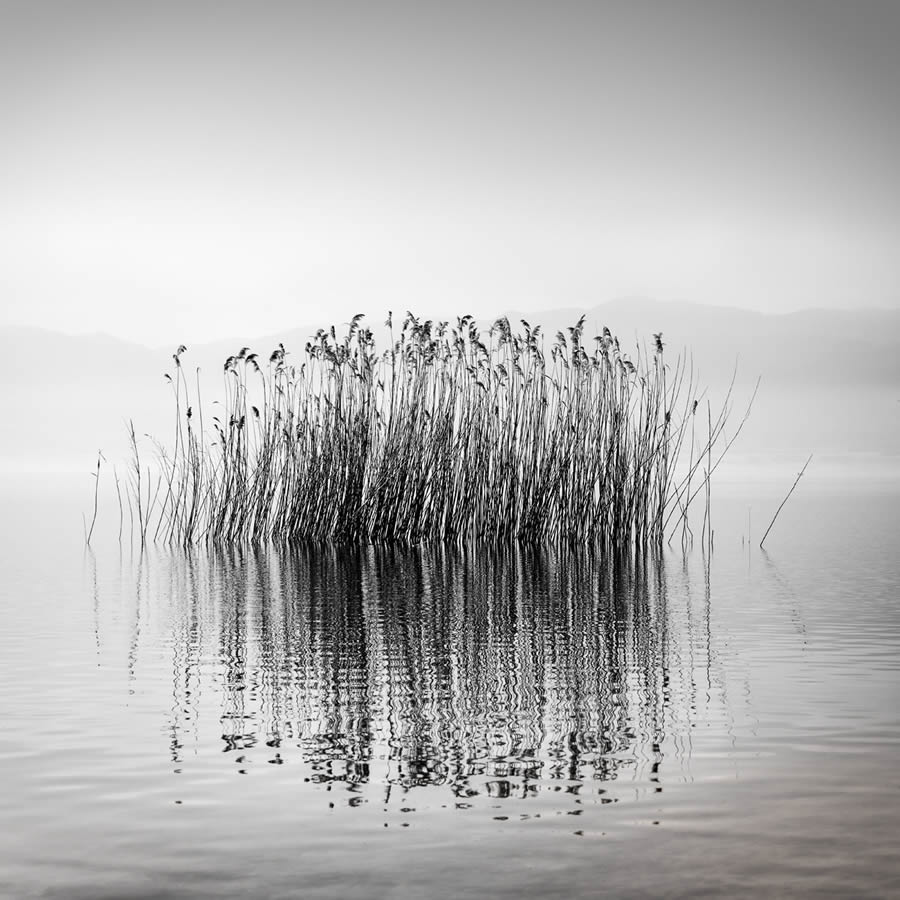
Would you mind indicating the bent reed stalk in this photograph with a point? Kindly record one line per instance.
(451, 434)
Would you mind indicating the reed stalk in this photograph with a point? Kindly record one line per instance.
(787, 497)
(450, 434)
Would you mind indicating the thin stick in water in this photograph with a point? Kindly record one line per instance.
(96, 475)
(791, 491)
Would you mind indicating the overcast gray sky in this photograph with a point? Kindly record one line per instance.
(200, 170)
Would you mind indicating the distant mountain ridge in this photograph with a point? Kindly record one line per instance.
(816, 347)
(813, 346)
(830, 379)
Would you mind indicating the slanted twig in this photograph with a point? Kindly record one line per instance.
(791, 491)
(96, 475)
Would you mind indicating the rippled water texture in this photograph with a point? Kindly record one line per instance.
(372, 722)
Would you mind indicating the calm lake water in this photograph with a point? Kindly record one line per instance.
(368, 722)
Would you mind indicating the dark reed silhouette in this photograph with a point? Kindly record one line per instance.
(451, 434)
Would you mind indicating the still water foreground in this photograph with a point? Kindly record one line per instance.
(378, 722)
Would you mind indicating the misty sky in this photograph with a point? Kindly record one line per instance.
(190, 171)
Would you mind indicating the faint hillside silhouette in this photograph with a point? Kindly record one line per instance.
(830, 379)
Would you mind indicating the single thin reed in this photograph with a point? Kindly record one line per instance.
(89, 532)
(451, 434)
(788, 497)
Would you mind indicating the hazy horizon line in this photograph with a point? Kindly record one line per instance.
(399, 313)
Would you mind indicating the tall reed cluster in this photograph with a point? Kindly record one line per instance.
(451, 434)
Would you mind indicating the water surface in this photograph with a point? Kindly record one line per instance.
(378, 722)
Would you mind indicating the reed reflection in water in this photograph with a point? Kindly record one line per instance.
(498, 674)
